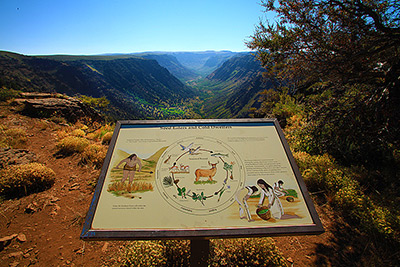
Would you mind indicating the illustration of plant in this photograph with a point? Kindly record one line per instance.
(167, 181)
(182, 192)
(201, 197)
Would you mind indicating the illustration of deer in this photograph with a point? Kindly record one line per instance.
(207, 172)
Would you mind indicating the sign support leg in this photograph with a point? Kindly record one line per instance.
(199, 252)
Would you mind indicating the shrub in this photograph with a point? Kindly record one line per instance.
(107, 138)
(7, 94)
(22, 180)
(223, 252)
(321, 173)
(245, 252)
(98, 134)
(94, 154)
(143, 253)
(78, 133)
(71, 144)
(13, 137)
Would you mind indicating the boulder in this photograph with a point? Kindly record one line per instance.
(44, 105)
(9, 156)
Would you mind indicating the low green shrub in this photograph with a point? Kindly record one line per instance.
(22, 180)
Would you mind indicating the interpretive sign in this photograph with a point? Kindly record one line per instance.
(199, 179)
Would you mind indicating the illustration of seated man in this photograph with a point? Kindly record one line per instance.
(275, 204)
(129, 168)
(241, 197)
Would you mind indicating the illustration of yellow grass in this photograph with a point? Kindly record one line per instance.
(130, 187)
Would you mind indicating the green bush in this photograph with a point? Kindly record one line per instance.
(22, 180)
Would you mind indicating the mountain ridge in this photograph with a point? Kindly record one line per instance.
(137, 88)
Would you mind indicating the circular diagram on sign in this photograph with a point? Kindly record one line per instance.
(199, 175)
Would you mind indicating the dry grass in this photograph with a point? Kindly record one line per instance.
(130, 187)
(12, 137)
(107, 138)
(21, 180)
(94, 154)
(223, 252)
(72, 144)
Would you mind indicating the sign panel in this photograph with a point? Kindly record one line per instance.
(199, 179)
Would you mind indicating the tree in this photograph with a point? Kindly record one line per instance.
(341, 41)
(350, 48)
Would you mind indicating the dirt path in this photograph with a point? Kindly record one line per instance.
(49, 223)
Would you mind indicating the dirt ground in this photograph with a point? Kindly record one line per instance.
(47, 225)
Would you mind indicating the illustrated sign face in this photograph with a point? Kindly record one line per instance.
(199, 179)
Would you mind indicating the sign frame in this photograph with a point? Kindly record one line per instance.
(89, 233)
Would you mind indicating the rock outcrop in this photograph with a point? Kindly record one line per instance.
(44, 105)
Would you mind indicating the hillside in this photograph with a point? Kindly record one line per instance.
(137, 88)
(172, 65)
(203, 63)
(234, 88)
(43, 228)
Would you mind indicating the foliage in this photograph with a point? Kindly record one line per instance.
(323, 174)
(99, 133)
(245, 252)
(7, 94)
(330, 40)
(94, 154)
(106, 138)
(72, 144)
(350, 48)
(143, 253)
(97, 103)
(223, 252)
(12, 137)
(22, 180)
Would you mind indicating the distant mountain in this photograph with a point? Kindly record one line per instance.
(205, 62)
(190, 65)
(137, 88)
(172, 64)
(234, 87)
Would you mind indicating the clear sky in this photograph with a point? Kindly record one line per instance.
(86, 27)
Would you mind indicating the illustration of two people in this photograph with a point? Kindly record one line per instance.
(272, 193)
(129, 168)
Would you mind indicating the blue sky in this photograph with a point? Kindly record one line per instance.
(86, 27)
